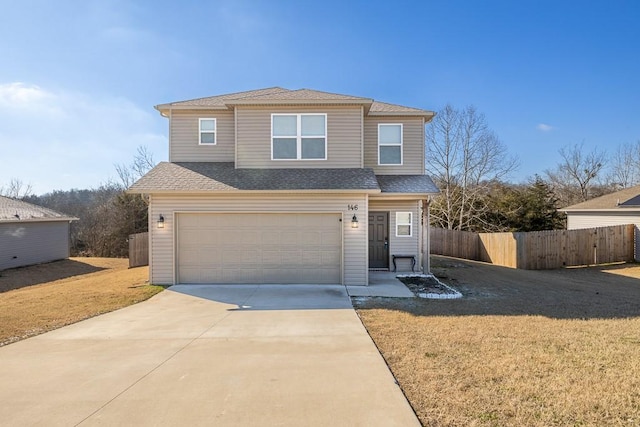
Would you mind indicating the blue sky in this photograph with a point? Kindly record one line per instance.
(79, 79)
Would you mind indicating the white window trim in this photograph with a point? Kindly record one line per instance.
(299, 136)
(214, 132)
(410, 224)
(401, 144)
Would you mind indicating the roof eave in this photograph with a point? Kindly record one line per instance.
(165, 108)
(414, 196)
(236, 191)
(18, 221)
(599, 210)
(427, 115)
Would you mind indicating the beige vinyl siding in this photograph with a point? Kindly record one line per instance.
(412, 146)
(344, 138)
(401, 245)
(30, 243)
(355, 245)
(184, 137)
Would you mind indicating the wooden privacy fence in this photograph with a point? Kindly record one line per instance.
(539, 250)
(138, 249)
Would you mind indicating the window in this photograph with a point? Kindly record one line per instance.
(390, 144)
(298, 136)
(207, 131)
(403, 224)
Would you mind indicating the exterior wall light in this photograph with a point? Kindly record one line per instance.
(161, 221)
(354, 221)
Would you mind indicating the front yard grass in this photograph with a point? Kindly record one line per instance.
(521, 348)
(40, 298)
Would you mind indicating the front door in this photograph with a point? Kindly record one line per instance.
(378, 239)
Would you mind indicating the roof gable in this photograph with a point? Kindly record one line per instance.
(632, 202)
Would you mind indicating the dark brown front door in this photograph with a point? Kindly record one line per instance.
(378, 239)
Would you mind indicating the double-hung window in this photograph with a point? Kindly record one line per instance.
(403, 224)
(298, 136)
(390, 144)
(207, 129)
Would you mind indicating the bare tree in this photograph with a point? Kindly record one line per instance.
(465, 157)
(16, 189)
(142, 163)
(624, 169)
(577, 173)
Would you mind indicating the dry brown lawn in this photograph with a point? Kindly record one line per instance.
(522, 348)
(43, 297)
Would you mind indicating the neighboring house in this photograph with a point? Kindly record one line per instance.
(621, 207)
(287, 186)
(31, 234)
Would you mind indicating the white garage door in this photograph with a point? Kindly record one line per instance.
(259, 248)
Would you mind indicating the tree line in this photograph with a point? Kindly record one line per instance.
(107, 215)
(470, 165)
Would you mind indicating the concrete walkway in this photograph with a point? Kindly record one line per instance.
(240, 355)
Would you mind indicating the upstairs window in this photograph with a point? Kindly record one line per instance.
(298, 136)
(207, 131)
(403, 224)
(390, 144)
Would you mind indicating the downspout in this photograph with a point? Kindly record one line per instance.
(170, 135)
(427, 238)
(235, 138)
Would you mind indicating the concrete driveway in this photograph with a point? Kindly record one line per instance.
(239, 355)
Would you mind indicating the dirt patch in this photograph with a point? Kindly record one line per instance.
(533, 348)
(40, 298)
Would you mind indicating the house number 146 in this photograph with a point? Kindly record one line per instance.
(352, 207)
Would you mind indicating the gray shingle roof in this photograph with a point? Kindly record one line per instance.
(278, 95)
(12, 210)
(407, 184)
(303, 95)
(215, 177)
(220, 100)
(609, 201)
(383, 108)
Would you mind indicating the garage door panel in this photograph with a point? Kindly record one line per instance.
(311, 258)
(259, 248)
(269, 237)
(329, 240)
(207, 258)
(190, 235)
(329, 258)
(288, 237)
(271, 258)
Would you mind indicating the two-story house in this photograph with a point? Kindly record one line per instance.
(286, 186)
